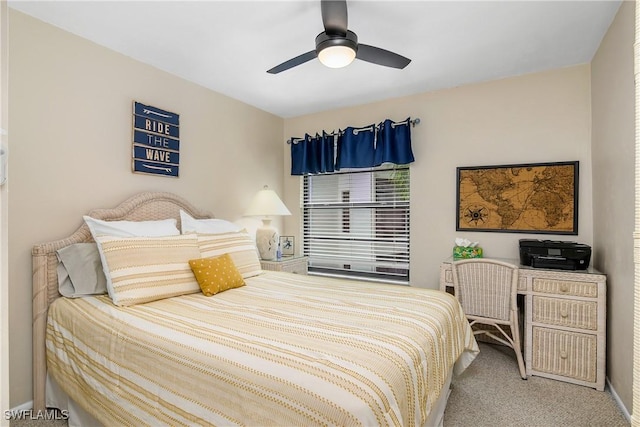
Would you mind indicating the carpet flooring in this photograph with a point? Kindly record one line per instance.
(491, 393)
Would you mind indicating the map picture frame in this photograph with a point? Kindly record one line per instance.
(534, 198)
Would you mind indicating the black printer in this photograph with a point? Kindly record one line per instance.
(554, 254)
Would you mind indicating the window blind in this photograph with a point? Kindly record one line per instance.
(356, 223)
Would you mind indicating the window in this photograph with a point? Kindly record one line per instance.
(356, 224)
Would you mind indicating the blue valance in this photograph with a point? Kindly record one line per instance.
(313, 155)
(356, 148)
(394, 143)
(366, 147)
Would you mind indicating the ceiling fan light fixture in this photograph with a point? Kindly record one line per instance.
(337, 47)
(337, 56)
(336, 50)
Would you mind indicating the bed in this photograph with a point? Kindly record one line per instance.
(283, 349)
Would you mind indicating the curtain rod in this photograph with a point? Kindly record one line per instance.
(413, 122)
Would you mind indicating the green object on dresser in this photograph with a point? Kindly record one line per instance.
(465, 252)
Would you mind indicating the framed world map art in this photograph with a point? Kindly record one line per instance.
(527, 198)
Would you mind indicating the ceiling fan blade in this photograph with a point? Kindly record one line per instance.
(293, 62)
(334, 17)
(380, 56)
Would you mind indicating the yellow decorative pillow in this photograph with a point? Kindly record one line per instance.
(216, 274)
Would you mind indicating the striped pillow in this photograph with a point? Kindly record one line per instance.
(144, 269)
(238, 244)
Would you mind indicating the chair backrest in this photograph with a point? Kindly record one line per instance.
(486, 287)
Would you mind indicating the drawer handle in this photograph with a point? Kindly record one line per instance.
(564, 288)
(563, 354)
(564, 313)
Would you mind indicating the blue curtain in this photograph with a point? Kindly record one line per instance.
(367, 147)
(394, 143)
(356, 148)
(312, 155)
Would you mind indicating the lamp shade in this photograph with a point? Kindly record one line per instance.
(267, 203)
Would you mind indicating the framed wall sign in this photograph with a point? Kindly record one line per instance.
(287, 245)
(156, 141)
(525, 198)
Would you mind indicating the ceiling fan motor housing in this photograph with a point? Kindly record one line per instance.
(324, 40)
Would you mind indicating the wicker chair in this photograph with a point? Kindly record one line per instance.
(487, 291)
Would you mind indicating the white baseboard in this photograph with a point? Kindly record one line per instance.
(617, 399)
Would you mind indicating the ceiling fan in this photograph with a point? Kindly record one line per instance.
(337, 47)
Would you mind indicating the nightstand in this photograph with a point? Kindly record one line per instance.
(292, 264)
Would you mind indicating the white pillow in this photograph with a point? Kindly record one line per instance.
(98, 227)
(159, 228)
(208, 226)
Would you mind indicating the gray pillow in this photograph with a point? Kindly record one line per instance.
(80, 271)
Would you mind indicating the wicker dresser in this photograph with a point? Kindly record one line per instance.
(292, 264)
(565, 322)
(565, 325)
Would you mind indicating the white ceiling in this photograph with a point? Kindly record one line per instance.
(227, 46)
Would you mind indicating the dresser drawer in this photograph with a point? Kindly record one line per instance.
(568, 354)
(565, 312)
(566, 287)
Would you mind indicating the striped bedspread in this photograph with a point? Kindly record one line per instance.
(284, 350)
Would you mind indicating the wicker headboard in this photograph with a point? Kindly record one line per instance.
(141, 207)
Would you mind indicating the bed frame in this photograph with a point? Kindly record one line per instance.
(140, 207)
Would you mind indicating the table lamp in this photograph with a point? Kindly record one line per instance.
(267, 204)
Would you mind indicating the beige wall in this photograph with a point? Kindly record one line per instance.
(613, 152)
(541, 117)
(71, 120)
